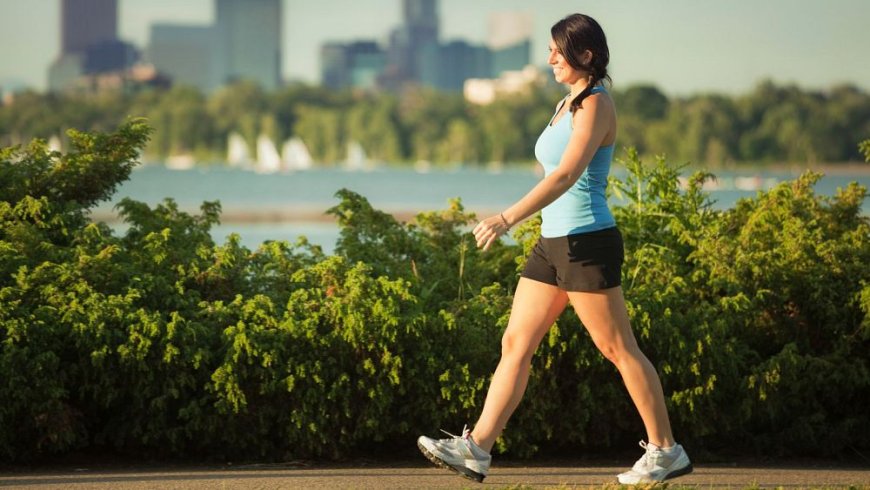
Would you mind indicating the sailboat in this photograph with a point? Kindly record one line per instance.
(54, 143)
(237, 151)
(295, 155)
(268, 158)
(356, 156)
(180, 161)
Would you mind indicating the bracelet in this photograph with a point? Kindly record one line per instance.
(506, 225)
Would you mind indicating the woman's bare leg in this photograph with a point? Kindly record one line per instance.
(536, 307)
(605, 316)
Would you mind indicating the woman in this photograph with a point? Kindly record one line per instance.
(577, 260)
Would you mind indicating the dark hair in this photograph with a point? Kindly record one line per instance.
(574, 35)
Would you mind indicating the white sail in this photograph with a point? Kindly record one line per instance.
(54, 143)
(295, 155)
(237, 151)
(268, 158)
(356, 156)
(180, 161)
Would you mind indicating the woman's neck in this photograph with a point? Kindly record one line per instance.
(578, 87)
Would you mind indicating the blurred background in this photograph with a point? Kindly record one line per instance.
(271, 106)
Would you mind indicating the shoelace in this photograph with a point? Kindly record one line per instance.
(464, 436)
(651, 456)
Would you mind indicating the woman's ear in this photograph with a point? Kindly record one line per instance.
(587, 57)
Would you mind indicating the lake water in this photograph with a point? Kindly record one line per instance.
(283, 206)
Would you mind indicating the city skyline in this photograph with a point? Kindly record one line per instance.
(680, 46)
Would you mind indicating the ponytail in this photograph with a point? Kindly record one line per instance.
(595, 77)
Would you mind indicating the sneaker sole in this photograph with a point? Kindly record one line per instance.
(462, 471)
(680, 472)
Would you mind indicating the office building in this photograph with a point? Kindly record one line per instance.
(510, 35)
(417, 35)
(109, 56)
(511, 58)
(249, 41)
(415, 55)
(88, 43)
(357, 65)
(186, 54)
(64, 71)
(368, 62)
(334, 66)
(85, 23)
(447, 66)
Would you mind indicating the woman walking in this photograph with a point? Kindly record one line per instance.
(577, 260)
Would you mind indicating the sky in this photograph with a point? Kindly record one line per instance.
(682, 46)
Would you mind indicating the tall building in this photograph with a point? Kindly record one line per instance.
(447, 66)
(249, 40)
(89, 43)
(334, 72)
(417, 35)
(511, 58)
(421, 18)
(64, 71)
(358, 64)
(106, 56)
(368, 62)
(186, 54)
(510, 39)
(84, 23)
(415, 54)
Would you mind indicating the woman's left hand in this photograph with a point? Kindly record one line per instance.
(487, 231)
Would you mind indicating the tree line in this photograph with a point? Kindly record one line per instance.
(771, 123)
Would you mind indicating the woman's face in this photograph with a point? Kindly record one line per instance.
(562, 71)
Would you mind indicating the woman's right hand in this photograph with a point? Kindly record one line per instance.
(489, 230)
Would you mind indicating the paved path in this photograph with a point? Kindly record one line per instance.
(406, 477)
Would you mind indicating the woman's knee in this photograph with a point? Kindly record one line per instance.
(619, 352)
(516, 346)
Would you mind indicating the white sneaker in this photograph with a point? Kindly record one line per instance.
(656, 465)
(459, 453)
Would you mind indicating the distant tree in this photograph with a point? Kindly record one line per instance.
(237, 107)
(644, 101)
(460, 144)
(424, 115)
(847, 113)
(770, 123)
(322, 131)
(282, 103)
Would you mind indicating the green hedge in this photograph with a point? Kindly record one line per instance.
(160, 342)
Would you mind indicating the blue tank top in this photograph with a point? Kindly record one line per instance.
(583, 207)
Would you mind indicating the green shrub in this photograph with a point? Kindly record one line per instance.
(160, 342)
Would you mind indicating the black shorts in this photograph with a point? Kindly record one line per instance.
(581, 262)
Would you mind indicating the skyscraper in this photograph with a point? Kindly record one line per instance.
(334, 72)
(84, 23)
(89, 42)
(358, 64)
(447, 66)
(417, 36)
(510, 39)
(249, 40)
(186, 53)
(421, 17)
